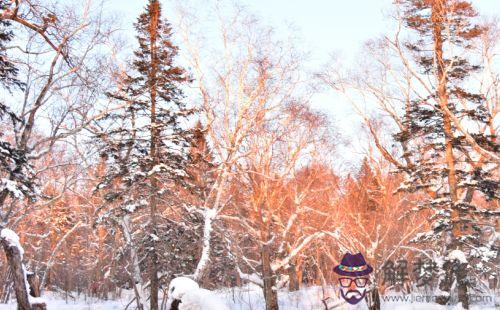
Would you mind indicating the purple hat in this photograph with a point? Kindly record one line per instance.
(353, 266)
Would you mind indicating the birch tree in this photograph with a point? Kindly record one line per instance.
(237, 89)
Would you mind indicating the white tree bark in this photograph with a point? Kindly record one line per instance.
(134, 260)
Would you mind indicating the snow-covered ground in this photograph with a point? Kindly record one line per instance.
(58, 302)
(251, 298)
(242, 298)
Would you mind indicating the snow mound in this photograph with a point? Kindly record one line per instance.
(201, 299)
(457, 255)
(180, 286)
(192, 297)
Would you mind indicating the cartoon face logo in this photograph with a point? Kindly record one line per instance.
(353, 274)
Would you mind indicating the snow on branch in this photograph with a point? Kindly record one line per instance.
(278, 264)
(458, 256)
(12, 239)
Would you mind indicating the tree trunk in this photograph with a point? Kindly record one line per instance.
(153, 262)
(270, 293)
(202, 267)
(134, 257)
(14, 259)
(135, 273)
(153, 269)
(437, 17)
(455, 272)
(34, 283)
(294, 284)
(461, 274)
(373, 300)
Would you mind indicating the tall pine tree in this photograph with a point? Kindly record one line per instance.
(146, 146)
(16, 174)
(446, 160)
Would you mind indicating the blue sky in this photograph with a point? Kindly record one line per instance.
(325, 27)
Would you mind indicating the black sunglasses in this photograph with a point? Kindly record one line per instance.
(346, 282)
